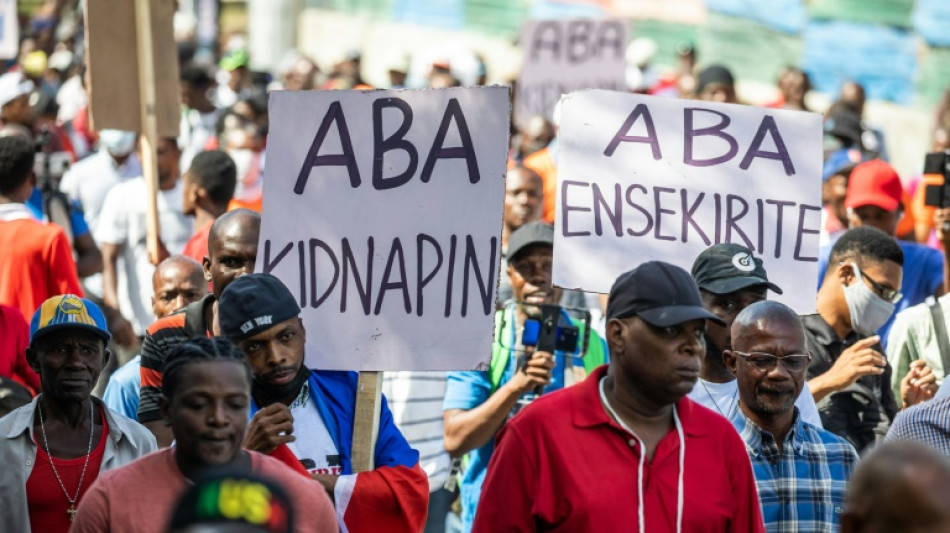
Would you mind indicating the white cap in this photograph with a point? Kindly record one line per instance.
(13, 85)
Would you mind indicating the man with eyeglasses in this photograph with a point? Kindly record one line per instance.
(730, 279)
(801, 471)
(848, 376)
(875, 199)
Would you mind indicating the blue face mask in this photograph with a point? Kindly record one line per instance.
(868, 310)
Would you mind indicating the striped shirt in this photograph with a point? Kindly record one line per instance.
(927, 423)
(801, 487)
(415, 400)
(160, 338)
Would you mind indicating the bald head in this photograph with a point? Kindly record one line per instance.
(769, 359)
(764, 316)
(898, 487)
(177, 282)
(232, 247)
(240, 223)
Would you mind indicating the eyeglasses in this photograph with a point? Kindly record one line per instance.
(889, 294)
(765, 362)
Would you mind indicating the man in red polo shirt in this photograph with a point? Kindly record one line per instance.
(626, 450)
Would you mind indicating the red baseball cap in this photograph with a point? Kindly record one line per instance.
(874, 183)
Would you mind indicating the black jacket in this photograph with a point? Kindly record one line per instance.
(862, 412)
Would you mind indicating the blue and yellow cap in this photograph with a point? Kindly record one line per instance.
(68, 311)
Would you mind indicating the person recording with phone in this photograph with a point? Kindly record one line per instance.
(478, 403)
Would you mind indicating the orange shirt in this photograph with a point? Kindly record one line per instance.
(544, 164)
(36, 263)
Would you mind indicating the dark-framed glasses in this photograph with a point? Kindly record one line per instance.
(765, 362)
(889, 294)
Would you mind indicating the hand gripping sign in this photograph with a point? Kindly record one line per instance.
(643, 178)
(383, 214)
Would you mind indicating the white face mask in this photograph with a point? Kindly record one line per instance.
(243, 159)
(116, 142)
(868, 310)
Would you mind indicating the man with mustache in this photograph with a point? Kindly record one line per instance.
(477, 403)
(311, 412)
(730, 279)
(800, 470)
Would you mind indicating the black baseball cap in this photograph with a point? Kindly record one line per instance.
(727, 267)
(530, 234)
(254, 303)
(660, 293)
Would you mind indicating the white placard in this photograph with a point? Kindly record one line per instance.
(645, 178)
(9, 30)
(562, 56)
(382, 215)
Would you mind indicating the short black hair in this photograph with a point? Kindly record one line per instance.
(195, 76)
(199, 350)
(866, 244)
(16, 162)
(215, 172)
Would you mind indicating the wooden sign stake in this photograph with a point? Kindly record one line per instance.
(149, 133)
(369, 393)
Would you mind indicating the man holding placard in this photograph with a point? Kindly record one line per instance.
(312, 412)
(382, 213)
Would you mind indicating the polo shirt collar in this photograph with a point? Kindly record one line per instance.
(822, 330)
(589, 410)
(15, 211)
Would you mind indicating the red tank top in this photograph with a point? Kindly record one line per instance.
(45, 498)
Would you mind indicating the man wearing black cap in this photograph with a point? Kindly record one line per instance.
(54, 448)
(477, 403)
(306, 416)
(626, 448)
(730, 279)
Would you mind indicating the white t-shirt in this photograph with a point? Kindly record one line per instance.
(90, 180)
(723, 398)
(122, 222)
(314, 447)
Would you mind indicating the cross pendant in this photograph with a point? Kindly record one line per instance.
(71, 512)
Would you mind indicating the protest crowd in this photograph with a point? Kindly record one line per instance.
(174, 388)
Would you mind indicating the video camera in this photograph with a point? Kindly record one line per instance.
(937, 187)
(49, 166)
(547, 334)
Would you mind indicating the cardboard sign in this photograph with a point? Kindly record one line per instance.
(383, 215)
(643, 178)
(563, 56)
(112, 59)
(9, 30)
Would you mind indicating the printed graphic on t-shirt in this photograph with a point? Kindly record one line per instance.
(313, 447)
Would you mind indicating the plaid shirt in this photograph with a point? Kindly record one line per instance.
(927, 423)
(802, 487)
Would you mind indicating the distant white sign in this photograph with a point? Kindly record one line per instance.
(382, 214)
(9, 30)
(644, 178)
(563, 56)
